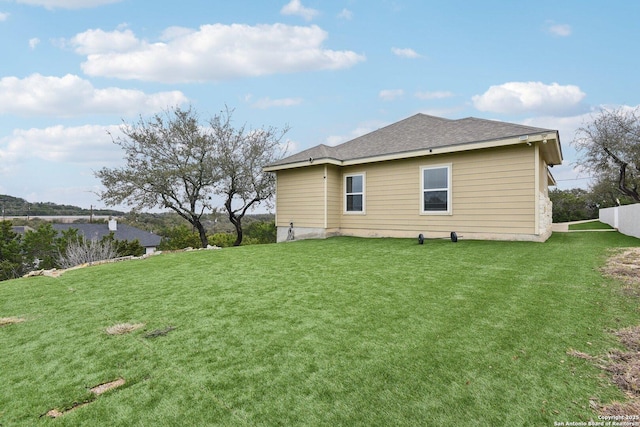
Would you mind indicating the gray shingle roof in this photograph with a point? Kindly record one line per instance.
(124, 232)
(21, 229)
(418, 132)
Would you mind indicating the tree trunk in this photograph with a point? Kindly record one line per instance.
(237, 223)
(622, 177)
(202, 233)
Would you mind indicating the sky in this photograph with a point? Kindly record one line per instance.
(73, 71)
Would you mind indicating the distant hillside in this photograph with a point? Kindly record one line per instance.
(15, 206)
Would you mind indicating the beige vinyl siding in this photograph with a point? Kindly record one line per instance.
(493, 191)
(300, 197)
(334, 196)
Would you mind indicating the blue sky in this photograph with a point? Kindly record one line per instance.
(72, 70)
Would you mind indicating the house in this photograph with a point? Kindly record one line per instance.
(482, 179)
(120, 232)
(21, 229)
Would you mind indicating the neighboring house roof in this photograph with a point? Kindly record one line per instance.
(123, 232)
(21, 229)
(413, 135)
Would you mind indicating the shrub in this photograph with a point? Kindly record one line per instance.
(83, 251)
(262, 232)
(179, 237)
(223, 240)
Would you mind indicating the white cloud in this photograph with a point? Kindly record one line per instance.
(34, 42)
(264, 103)
(405, 53)
(390, 94)
(4, 16)
(560, 30)
(175, 32)
(567, 175)
(58, 144)
(362, 129)
(433, 95)
(71, 96)
(211, 53)
(295, 7)
(531, 97)
(345, 14)
(96, 42)
(289, 147)
(56, 163)
(67, 4)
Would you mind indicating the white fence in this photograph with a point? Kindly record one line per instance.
(625, 218)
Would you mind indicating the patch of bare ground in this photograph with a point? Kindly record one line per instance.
(55, 413)
(123, 328)
(625, 266)
(622, 365)
(159, 332)
(5, 321)
(97, 391)
(624, 368)
(103, 388)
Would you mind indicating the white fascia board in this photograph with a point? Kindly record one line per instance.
(303, 164)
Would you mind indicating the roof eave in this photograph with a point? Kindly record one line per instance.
(304, 163)
(550, 147)
(551, 151)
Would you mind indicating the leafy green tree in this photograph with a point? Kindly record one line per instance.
(222, 240)
(573, 205)
(605, 193)
(65, 238)
(123, 247)
(40, 247)
(240, 155)
(609, 148)
(12, 262)
(179, 237)
(169, 164)
(263, 231)
(172, 162)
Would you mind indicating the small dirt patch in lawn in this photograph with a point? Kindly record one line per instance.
(624, 368)
(159, 332)
(103, 388)
(6, 321)
(55, 413)
(96, 390)
(625, 266)
(123, 328)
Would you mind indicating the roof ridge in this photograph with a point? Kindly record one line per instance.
(495, 121)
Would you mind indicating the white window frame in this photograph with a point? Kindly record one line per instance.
(364, 189)
(448, 188)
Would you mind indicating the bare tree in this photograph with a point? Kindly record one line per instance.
(240, 155)
(83, 251)
(169, 164)
(173, 162)
(609, 148)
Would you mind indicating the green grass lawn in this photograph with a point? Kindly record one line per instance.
(591, 225)
(344, 331)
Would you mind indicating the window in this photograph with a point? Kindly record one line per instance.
(354, 193)
(436, 189)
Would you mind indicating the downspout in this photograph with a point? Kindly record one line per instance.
(276, 201)
(326, 209)
(536, 188)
